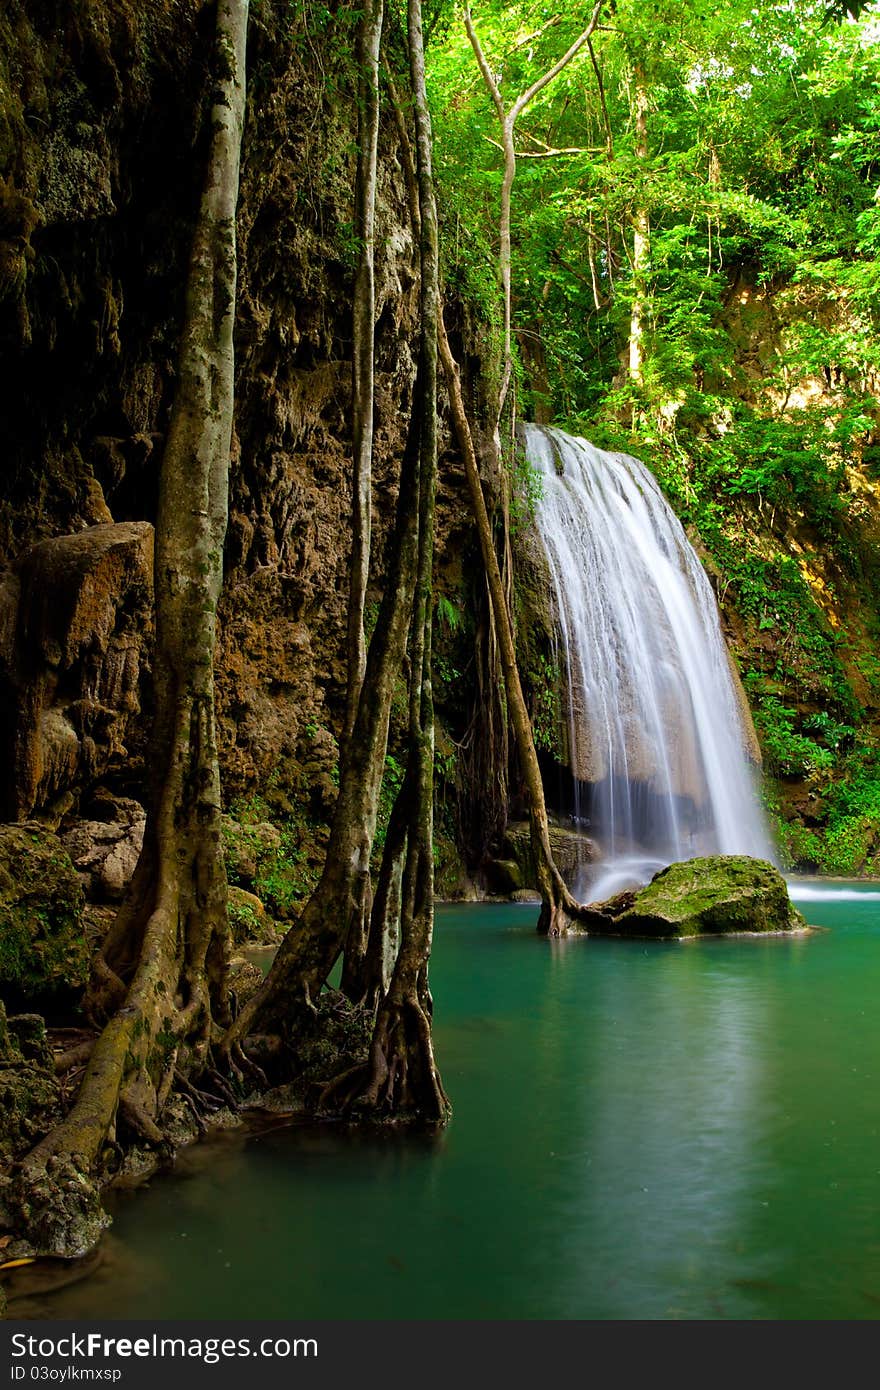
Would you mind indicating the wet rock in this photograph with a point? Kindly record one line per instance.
(58, 1207)
(504, 876)
(245, 978)
(43, 953)
(711, 896)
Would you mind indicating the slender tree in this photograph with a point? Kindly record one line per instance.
(314, 942)
(507, 118)
(559, 907)
(364, 326)
(641, 230)
(402, 1075)
(369, 39)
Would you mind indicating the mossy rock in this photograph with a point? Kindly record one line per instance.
(43, 952)
(712, 896)
(249, 919)
(248, 847)
(571, 850)
(30, 1098)
(504, 876)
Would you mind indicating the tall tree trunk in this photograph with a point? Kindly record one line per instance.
(364, 324)
(641, 235)
(411, 1081)
(368, 44)
(558, 905)
(384, 938)
(401, 1076)
(162, 973)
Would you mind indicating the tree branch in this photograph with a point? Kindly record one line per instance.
(538, 86)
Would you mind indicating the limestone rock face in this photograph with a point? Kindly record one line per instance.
(43, 953)
(711, 896)
(105, 852)
(77, 615)
(571, 849)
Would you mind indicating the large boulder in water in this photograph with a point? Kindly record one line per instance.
(718, 895)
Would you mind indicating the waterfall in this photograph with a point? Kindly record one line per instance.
(656, 736)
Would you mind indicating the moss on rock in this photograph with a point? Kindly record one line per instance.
(30, 1099)
(249, 919)
(711, 896)
(571, 851)
(43, 952)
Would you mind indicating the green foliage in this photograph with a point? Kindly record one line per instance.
(287, 878)
(276, 867)
(392, 781)
(448, 615)
(763, 139)
(755, 406)
(779, 463)
(787, 752)
(43, 952)
(243, 921)
(526, 490)
(844, 838)
(546, 711)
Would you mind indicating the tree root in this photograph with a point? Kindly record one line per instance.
(344, 1088)
(140, 1123)
(399, 1081)
(73, 1057)
(106, 993)
(241, 1067)
(220, 1085)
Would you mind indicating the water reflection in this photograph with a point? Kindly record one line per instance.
(641, 1130)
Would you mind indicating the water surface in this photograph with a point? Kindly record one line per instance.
(641, 1130)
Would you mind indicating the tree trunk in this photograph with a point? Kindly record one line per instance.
(641, 237)
(363, 332)
(384, 937)
(162, 973)
(402, 1046)
(313, 944)
(369, 40)
(507, 120)
(401, 1078)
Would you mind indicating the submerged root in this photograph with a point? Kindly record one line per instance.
(561, 912)
(399, 1081)
(556, 919)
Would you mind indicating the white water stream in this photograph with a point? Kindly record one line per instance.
(656, 738)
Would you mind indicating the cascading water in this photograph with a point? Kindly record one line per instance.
(656, 737)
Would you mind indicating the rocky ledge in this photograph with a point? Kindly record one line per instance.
(714, 896)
